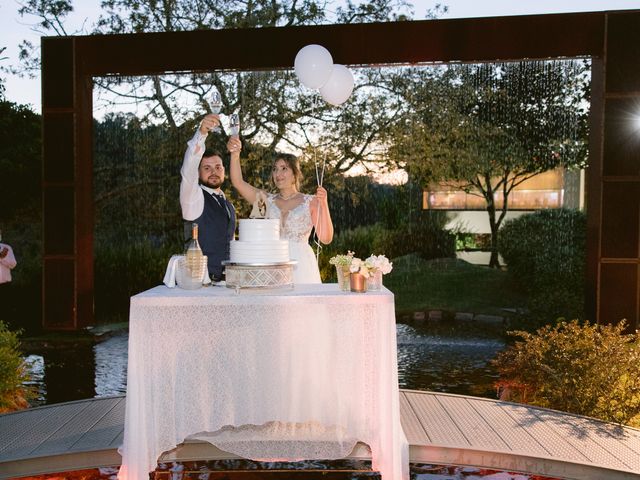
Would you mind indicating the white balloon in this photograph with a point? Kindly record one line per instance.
(339, 86)
(313, 65)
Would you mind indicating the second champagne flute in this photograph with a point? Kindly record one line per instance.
(234, 124)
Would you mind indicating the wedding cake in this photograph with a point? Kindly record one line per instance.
(259, 242)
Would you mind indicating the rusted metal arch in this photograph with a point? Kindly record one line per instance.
(611, 39)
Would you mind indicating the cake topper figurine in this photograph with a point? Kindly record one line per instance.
(259, 209)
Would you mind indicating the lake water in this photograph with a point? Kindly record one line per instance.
(435, 357)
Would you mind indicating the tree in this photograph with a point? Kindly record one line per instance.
(20, 214)
(2, 79)
(19, 155)
(276, 114)
(485, 129)
(19, 159)
(50, 16)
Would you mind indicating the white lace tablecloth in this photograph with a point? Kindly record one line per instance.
(280, 375)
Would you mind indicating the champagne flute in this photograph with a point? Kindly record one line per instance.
(215, 103)
(234, 124)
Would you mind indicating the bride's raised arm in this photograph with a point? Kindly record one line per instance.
(321, 216)
(246, 191)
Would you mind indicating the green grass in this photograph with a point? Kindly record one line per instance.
(450, 285)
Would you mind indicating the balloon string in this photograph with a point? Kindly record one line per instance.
(319, 180)
(316, 239)
(320, 173)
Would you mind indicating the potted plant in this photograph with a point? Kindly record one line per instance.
(342, 264)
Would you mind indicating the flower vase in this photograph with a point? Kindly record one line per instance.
(358, 283)
(343, 277)
(374, 282)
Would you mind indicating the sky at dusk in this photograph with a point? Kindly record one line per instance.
(27, 91)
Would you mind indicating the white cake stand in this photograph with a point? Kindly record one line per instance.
(259, 275)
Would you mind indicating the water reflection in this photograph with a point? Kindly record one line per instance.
(66, 372)
(111, 365)
(430, 357)
(35, 365)
(445, 360)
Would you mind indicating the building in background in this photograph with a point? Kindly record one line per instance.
(468, 218)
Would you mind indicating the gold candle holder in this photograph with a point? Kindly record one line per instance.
(358, 283)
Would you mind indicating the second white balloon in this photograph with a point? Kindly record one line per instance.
(338, 88)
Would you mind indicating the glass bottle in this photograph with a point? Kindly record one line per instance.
(194, 255)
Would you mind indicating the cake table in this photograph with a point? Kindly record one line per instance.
(287, 374)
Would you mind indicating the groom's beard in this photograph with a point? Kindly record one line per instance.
(212, 182)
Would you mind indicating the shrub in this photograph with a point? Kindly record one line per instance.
(125, 269)
(545, 253)
(360, 240)
(13, 373)
(424, 237)
(585, 369)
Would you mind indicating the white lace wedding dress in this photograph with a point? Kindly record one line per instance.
(296, 226)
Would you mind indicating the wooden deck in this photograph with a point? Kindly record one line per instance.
(441, 428)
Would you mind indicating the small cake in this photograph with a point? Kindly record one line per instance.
(259, 242)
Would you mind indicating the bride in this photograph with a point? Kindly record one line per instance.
(298, 213)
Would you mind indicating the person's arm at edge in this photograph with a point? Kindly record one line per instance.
(8, 260)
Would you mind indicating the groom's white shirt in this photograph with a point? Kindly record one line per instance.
(191, 199)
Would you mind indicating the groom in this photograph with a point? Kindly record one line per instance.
(202, 200)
